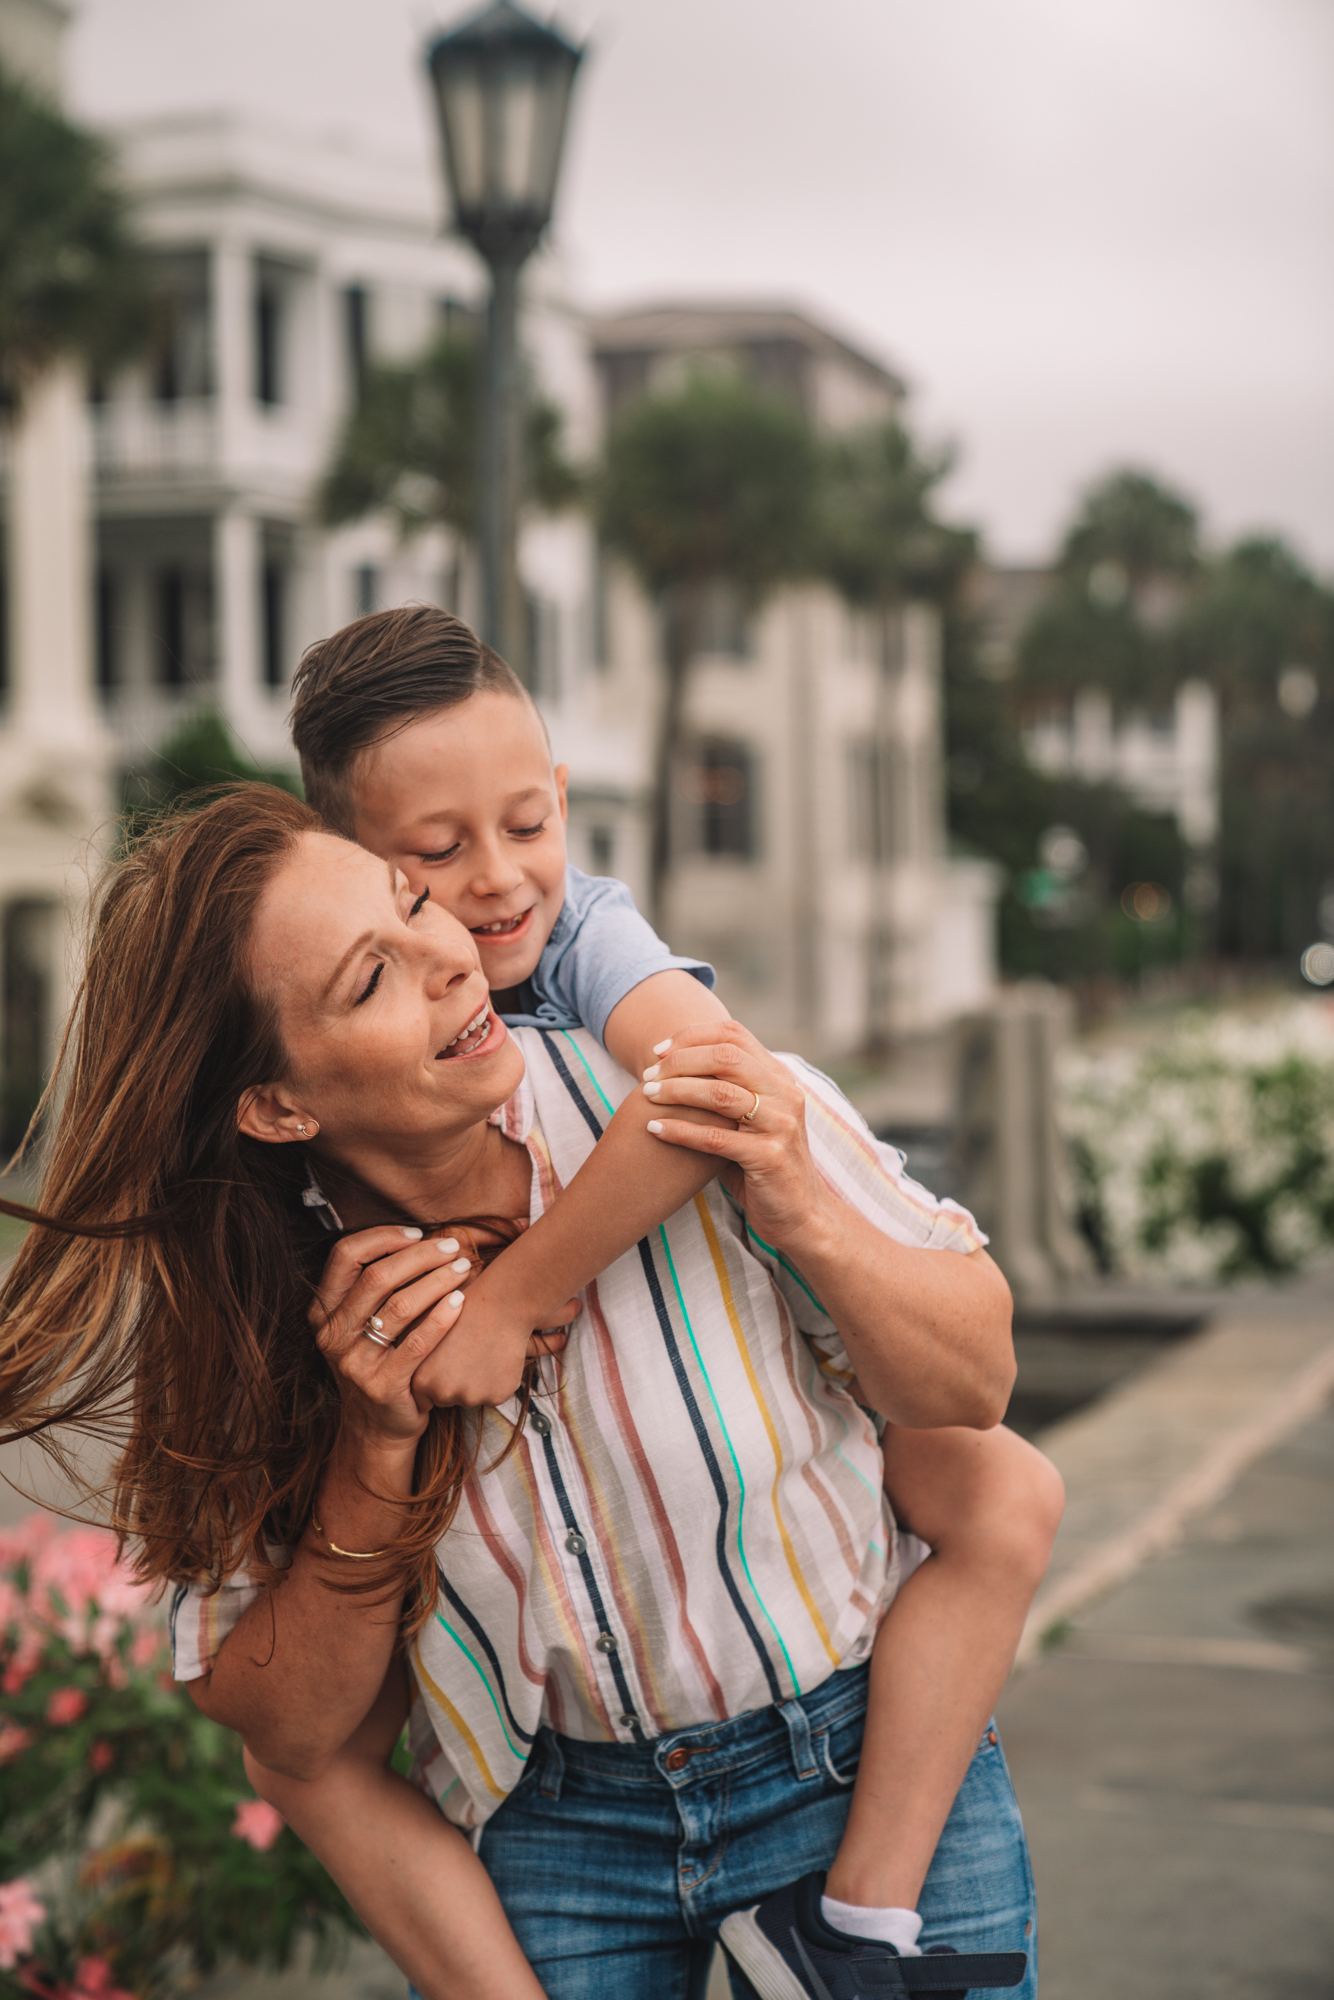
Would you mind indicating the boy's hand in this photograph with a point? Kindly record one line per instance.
(416, 1294)
(489, 1345)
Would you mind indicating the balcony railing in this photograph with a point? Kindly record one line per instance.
(138, 440)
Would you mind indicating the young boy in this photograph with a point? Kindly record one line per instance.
(422, 745)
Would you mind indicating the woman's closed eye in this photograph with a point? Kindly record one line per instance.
(417, 905)
(528, 832)
(370, 985)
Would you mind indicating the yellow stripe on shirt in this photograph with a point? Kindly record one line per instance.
(466, 1736)
(743, 1348)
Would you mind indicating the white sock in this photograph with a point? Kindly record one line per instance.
(897, 1927)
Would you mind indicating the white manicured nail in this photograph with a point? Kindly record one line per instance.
(652, 1089)
(655, 1124)
(651, 1072)
(413, 1235)
(463, 1264)
(661, 1048)
(447, 1245)
(454, 1299)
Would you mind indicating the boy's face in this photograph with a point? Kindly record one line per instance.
(466, 802)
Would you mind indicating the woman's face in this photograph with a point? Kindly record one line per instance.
(381, 1001)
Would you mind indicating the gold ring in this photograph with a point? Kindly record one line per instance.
(746, 1116)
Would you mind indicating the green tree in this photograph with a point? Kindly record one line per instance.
(410, 445)
(72, 277)
(199, 755)
(1125, 568)
(1261, 630)
(880, 540)
(1131, 520)
(716, 481)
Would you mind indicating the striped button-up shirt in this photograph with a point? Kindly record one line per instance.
(693, 1522)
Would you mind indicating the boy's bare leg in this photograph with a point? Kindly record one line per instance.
(988, 1504)
(411, 1877)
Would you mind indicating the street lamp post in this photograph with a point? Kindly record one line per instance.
(502, 85)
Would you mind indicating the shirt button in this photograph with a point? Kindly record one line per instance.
(575, 1542)
(541, 1424)
(606, 1642)
(628, 1721)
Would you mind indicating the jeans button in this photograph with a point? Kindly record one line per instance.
(606, 1642)
(676, 1760)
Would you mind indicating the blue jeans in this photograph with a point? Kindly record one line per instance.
(616, 1863)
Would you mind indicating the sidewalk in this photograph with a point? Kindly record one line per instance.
(1174, 1752)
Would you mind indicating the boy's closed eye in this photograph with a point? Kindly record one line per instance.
(450, 853)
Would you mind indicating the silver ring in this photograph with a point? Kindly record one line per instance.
(374, 1330)
(746, 1116)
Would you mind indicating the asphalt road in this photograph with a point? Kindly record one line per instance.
(1174, 1758)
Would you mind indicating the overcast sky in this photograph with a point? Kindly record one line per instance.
(1090, 232)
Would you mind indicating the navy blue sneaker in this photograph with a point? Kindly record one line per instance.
(788, 1952)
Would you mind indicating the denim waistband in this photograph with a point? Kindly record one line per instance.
(682, 1757)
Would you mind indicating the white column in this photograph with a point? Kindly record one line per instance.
(233, 345)
(51, 566)
(236, 573)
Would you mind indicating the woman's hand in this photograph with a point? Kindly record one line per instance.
(767, 1162)
(403, 1289)
(384, 1315)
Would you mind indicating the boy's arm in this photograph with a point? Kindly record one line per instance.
(627, 1186)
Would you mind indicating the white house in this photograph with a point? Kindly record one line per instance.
(164, 555)
(810, 859)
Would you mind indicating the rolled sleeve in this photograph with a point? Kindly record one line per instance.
(870, 1176)
(200, 1619)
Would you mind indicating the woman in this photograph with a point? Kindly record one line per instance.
(635, 1604)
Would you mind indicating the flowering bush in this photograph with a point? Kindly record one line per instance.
(1210, 1155)
(133, 1855)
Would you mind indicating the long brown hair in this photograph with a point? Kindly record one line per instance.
(162, 1308)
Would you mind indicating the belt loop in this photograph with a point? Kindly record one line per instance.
(553, 1765)
(799, 1736)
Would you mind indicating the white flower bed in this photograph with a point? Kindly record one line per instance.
(1210, 1154)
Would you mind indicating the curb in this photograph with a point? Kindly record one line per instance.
(1112, 1561)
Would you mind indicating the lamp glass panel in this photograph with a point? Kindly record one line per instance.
(548, 130)
(462, 102)
(518, 106)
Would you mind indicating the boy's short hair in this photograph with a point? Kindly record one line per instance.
(378, 673)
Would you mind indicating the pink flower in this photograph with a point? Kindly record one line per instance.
(100, 1758)
(20, 1914)
(145, 1647)
(22, 1667)
(20, 1545)
(92, 1981)
(13, 1741)
(65, 1706)
(258, 1824)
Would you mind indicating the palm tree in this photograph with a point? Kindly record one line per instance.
(410, 447)
(72, 278)
(882, 546)
(1126, 567)
(880, 541)
(714, 482)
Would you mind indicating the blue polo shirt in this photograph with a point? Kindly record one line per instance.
(598, 950)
